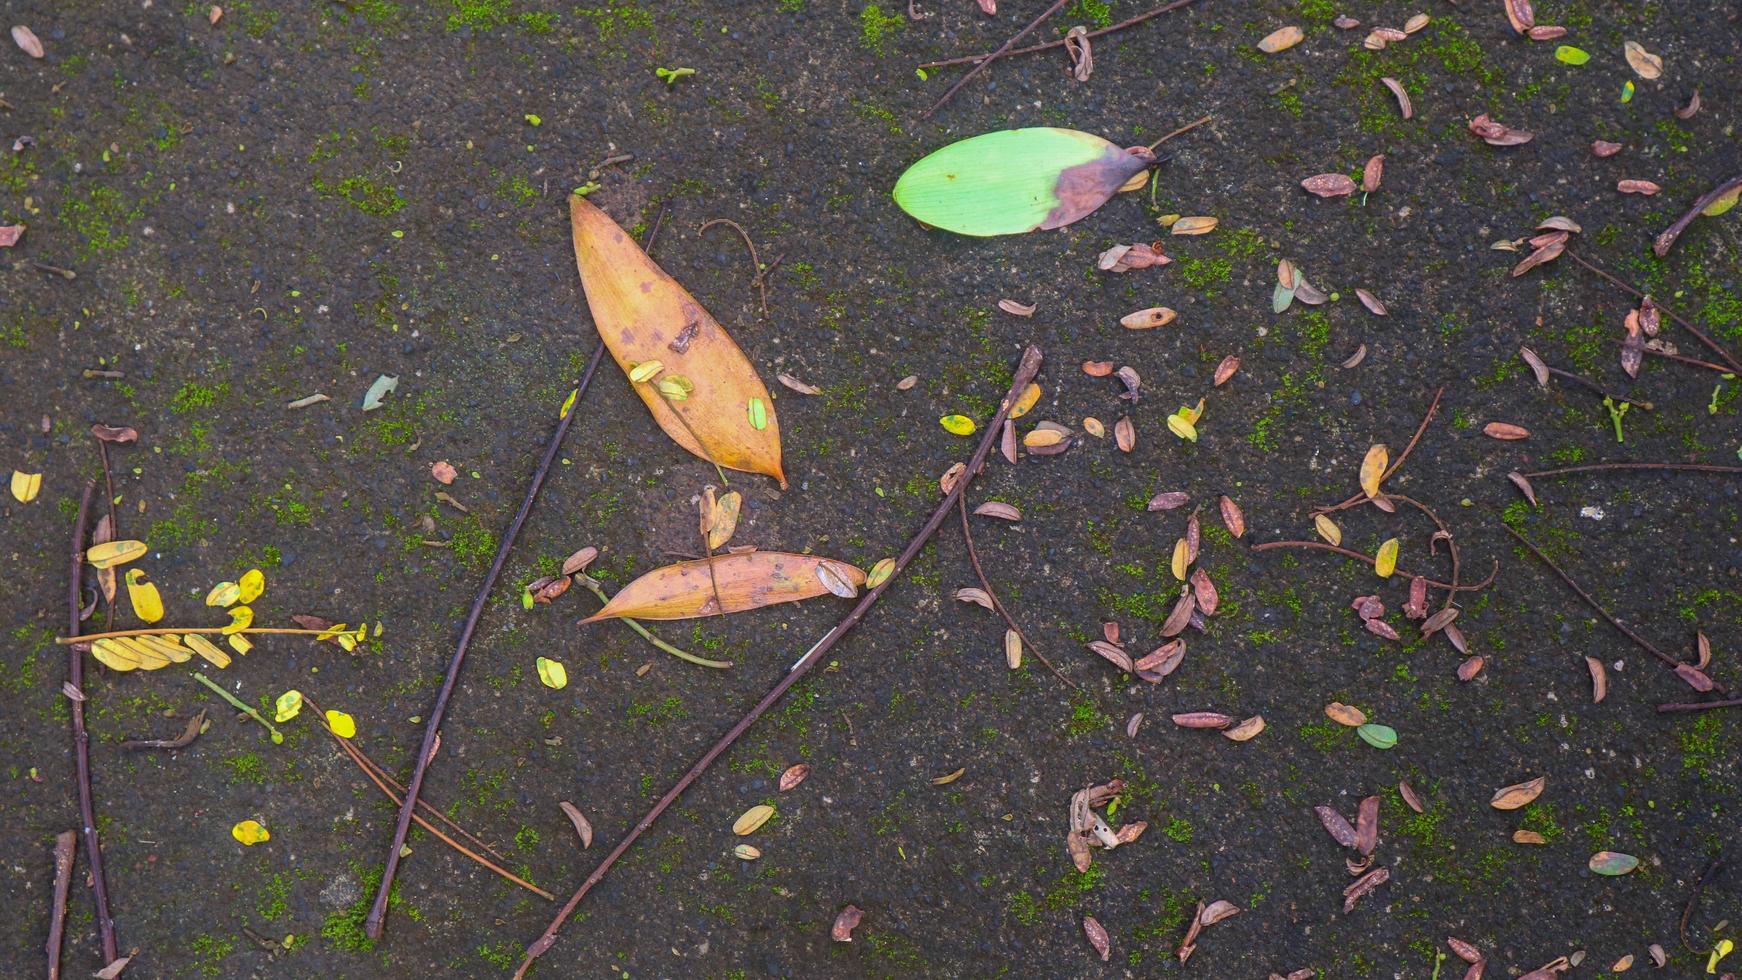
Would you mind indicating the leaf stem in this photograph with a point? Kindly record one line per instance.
(648, 636)
(168, 630)
(242, 706)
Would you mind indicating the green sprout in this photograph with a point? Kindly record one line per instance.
(671, 75)
(1615, 414)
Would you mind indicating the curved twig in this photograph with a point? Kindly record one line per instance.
(1451, 542)
(1711, 344)
(1664, 709)
(1059, 42)
(1361, 498)
(1665, 239)
(1600, 467)
(755, 260)
(1188, 127)
(1003, 50)
(1346, 553)
(980, 573)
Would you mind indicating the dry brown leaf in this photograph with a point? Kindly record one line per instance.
(1410, 798)
(1225, 370)
(27, 41)
(1694, 677)
(1692, 107)
(1518, 794)
(907, 383)
(1345, 714)
(1097, 937)
(1093, 426)
(1202, 719)
(1169, 500)
(1280, 39)
(1520, 14)
(1204, 592)
(1328, 529)
(976, 596)
(645, 316)
(583, 828)
(1372, 173)
(1373, 468)
(1196, 225)
(1155, 316)
(1097, 369)
(1218, 911)
(1528, 837)
(1124, 258)
(1012, 649)
(579, 561)
(741, 582)
(1329, 185)
(1505, 431)
(999, 509)
(1367, 826)
(1599, 679)
(1014, 308)
(1546, 32)
(1245, 732)
(845, 923)
(1362, 886)
(1113, 654)
(1645, 187)
(1466, 951)
(1547, 253)
(1604, 148)
(793, 776)
(1471, 666)
(1415, 23)
(1336, 825)
(1232, 517)
(1125, 434)
(118, 434)
(949, 778)
(1371, 301)
(1702, 650)
(1404, 105)
(797, 385)
(1645, 64)
(1357, 357)
(1181, 616)
(443, 472)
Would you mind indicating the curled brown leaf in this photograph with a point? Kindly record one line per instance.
(1404, 105)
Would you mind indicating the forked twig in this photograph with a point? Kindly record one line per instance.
(981, 64)
(986, 584)
(1025, 372)
(755, 260)
(1403, 573)
(1669, 661)
(1396, 464)
(1059, 42)
(82, 738)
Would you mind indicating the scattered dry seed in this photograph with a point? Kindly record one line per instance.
(1505, 431)
(908, 382)
(1125, 434)
(1245, 731)
(1014, 308)
(1329, 185)
(999, 509)
(794, 775)
(1097, 369)
(1276, 41)
(1518, 794)
(1644, 187)
(1169, 500)
(1357, 357)
(1344, 714)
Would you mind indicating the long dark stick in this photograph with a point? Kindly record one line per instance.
(1664, 709)
(1598, 467)
(986, 585)
(1690, 328)
(1401, 573)
(994, 56)
(114, 523)
(1666, 238)
(64, 848)
(1587, 383)
(1396, 464)
(1059, 42)
(1025, 372)
(1712, 867)
(373, 925)
(1669, 661)
(82, 738)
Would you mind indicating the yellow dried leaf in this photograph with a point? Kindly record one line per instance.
(1281, 39)
(958, 425)
(1373, 469)
(167, 645)
(1093, 426)
(206, 649)
(1179, 426)
(288, 706)
(949, 778)
(1327, 529)
(115, 655)
(740, 581)
(250, 832)
(1194, 226)
(241, 644)
(145, 655)
(725, 519)
(112, 553)
(1026, 401)
(880, 573)
(643, 315)
(343, 725)
(752, 819)
(224, 594)
(1386, 561)
(1182, 559)
(147, 603)
(241, 617)
(552, 674)
(250, 585)
(25, 486)
(1192, 413)
(644, 370)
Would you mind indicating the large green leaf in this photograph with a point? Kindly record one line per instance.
(1017, 180)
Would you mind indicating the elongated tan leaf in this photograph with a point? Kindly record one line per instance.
(645, 315)
(746, 581)
(1373, 469)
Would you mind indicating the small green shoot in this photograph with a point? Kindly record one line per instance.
(1615, 414)
(671, 75)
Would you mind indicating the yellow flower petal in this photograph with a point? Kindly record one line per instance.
(1328, 529)
(646, 369)
(147, 603)
(251, 585)
(289, 704)
(241, 644)
(1182, 427)
(112, 553)
(1373, 469)
(552, 673)
(250, 832)
(343, 725)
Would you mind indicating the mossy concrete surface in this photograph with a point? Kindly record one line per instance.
(309, 195)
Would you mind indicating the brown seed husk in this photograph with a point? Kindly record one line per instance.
(1371, 301)
(583, 828)
(1202, 719)
(1345, 714)
(1505, 431)
(845, 923)
(1329, 185)
(1410, 798)
(1404, 106)
(1518, 794)
(1169, 500)
(1149, 319)
(1125, 434)
(1599, 679)
(1226, 369)
(1097, 937)
(1336, 825)
(1367, 826)
(1276, 41)
(1472, 666)
(1232, 517)
(793, 776)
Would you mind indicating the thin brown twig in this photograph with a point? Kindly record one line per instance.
(82, 738)
(114, 522)
(376, 921)
(980, 573)
(1712, 867)
(983, 63)
(1711, 344)
(1188, 127)
(189, 732)
(1665, 239)
(1451, 542)
(755, 260)
(1346, 553)
(1594, 386)
(1664, 709)
(1396, 464)
(1025, 372)
(65, 849)
(1600, 467)
(1669, 661)
(1678, 358)
(1059, 42)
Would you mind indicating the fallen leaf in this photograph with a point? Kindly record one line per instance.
(1329, 185)
(1466, 951)
(1373, 468)
(744, 581)
(1328, 529)
(1410, 798)
(1336, 825)
(1093, 426)
(949, 778)
(1097, 937)
(1528, 837)
(1378, 736)
(288, 706)
(147, 602)
(1415, 23)
(1232, 517)
(305, 402)
(752, 819)
(1125, 434)
(1471, 666)
(343, 725)
(1367, 826)
(1612, 863)
(1645, 64)
(1169, 500)
(1567, 54)
(1225, 370)
(1505, 431)
(1194, 226)
(1155, 316)
(1404, 105)
(1599, 679)
(1344, 714)
(25, 486)
(1220, 910)
(1372, 303)
(1014, 308)
(115, 966)
(999, 509)
(383, 386)
(1017, 180)
(845, 923)
(1202, 719)
(1246, 730)
(551, 673)
(1012, 649)
(1645, 187)
(579, 561)
(27, 41)
(1124, 258)
(250, 832)
(1518, 794)
(1362, 886)
(637, 308)
(1694, 677)
(1604, 148)
(1691, 108)
(1281, 39)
